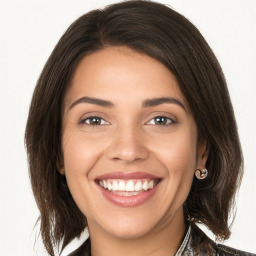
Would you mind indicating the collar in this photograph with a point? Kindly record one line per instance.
(184, 243)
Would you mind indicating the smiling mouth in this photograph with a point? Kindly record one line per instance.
(130, 187)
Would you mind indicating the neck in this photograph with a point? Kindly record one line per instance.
(160, 241)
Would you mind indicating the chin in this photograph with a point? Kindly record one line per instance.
(127, 231)
(127, 225)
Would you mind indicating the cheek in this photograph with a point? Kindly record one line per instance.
(80, 153)
(178, 158)
(179, 162)
(178, 151)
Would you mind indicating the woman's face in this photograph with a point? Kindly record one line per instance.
(129, 143)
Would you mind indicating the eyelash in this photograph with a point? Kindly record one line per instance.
(83, 121)
(169, 121)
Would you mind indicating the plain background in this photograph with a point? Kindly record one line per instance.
(28, 32)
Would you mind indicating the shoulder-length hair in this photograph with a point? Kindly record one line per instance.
(160, 32)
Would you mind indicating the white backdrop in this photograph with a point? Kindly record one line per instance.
(28, 32)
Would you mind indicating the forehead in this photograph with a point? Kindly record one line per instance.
(120, 72)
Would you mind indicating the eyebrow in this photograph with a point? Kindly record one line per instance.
(94, 101)
(146, 103)
(162, 100)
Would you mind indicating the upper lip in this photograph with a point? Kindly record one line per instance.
(127, 176)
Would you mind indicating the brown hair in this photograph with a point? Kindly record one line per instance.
(167, 36)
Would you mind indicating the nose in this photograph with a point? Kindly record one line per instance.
(127, 145)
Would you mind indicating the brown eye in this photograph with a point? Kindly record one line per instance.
(161, 121)
(95, 121)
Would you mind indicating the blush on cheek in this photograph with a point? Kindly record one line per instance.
(79, 149)
(179, 154)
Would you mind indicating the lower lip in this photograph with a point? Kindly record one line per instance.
(128, 201)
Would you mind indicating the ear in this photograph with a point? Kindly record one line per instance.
(61, 168)
(202, 153)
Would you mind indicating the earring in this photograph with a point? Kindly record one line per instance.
(201, 174)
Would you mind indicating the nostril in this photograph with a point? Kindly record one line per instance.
(127, 155)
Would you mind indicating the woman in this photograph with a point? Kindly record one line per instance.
(131, 133)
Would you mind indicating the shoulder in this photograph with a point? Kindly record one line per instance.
(226, 250)
(201, 244)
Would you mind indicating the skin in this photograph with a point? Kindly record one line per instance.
(128, 139)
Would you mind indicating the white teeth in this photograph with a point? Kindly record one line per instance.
(121, 186)
(128, 185)
(151, 184)
(138, 186)
(115, 186)
(105, 184)
(145, 185)
(109, 186)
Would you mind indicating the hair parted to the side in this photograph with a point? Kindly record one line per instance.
(167, 36)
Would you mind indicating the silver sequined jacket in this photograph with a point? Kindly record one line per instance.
(195, 243)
